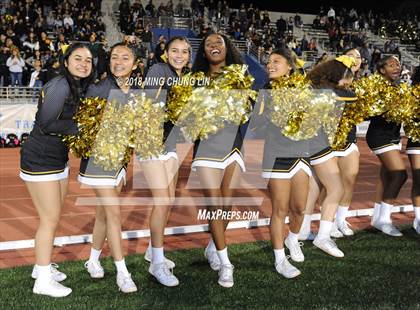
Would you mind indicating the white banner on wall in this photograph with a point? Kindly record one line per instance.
(17, 118)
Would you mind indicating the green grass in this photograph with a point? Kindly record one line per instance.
(378, 272)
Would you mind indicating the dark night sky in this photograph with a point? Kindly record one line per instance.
(312, 7)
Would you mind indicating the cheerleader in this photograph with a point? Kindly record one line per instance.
(288, 177)
(413, 152)
(108, 184)
(162, 172)
(383, 138)
(348, 162)
(218, 158)
(44, 157)
(336, 75)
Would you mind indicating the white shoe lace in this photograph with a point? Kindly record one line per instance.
(126, 281)
(162, 270)
(226, 273)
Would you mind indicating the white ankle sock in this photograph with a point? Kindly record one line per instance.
(385, 216)
(157, 255)
(417, 213)
(44, 272)
(376, 212)
(223, 256)
(211, 247)
(341, 213)
(279, 255)
(121, 267)
(293, 237)
(306, 225)
(324, 229)
(94, 254)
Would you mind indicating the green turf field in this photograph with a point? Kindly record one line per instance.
(378, 272)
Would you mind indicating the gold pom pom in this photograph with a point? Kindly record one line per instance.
(203, 111)
(88, 118)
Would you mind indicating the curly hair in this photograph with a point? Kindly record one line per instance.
(327, 74)
(233, 56)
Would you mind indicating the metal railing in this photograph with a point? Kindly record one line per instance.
(10, 95)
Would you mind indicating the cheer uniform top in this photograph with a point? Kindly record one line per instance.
(44, 155)
(91, 173)
(344, 96)
(220, 149)
(171, 133)
(283, 157)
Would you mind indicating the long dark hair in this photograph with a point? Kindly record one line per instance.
(416, 76)
(327, 74)
(77, 87)
(232, 55)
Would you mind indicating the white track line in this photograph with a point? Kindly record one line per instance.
(188, 229)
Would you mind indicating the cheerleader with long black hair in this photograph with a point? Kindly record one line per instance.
(44, 158)
(413, 152)
(335, 75)
(218, 159)
(288, 175)
(108, 184)
(384, 140)
(162, 172)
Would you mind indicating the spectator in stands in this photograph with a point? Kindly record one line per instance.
(281, 26)
(290, 24)
(265, 20)
(147, 37)
(37, 78)
(366, 53)
(16, 64)
(150, 9)
(4, 70)
(312, 45)
(304, 43)
(331, 15)
(298, 20)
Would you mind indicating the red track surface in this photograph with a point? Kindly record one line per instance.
(18, 218)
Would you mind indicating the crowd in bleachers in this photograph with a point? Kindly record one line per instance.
(34, 34)
(348, 28)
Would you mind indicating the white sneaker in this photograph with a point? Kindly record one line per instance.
(335, 233)
(148, 257)
(310, 236)
(50, 287)
(226, 275)
(56, 275)
(286, 269)
(344, 228)
(416, 226)
(388, 229)
(213, 259)
(295, 250)
(163, 274)
(328, 246)
(125, 283)
(95, 269)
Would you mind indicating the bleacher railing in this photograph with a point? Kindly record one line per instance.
(10, 95)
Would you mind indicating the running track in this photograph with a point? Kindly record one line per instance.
(18, 219)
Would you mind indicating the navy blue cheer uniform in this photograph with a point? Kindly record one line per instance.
(44, 156)
(91, 173)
